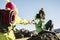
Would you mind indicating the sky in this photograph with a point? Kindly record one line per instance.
(29, 8)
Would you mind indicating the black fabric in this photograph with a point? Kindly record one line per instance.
(49, 25)
(5, 19)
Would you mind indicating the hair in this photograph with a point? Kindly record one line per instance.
(40, 12)
(37, 16)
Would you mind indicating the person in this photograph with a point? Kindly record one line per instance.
(40, 22)
(42, 28)
(10, 35)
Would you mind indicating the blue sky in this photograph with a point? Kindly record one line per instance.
(28, 9)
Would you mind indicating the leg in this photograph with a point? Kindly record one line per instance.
(49, 25)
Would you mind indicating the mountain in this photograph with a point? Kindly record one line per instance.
(57, 30)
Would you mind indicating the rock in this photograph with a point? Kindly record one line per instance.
(44, 36)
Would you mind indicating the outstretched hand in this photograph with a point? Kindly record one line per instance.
(32, 22)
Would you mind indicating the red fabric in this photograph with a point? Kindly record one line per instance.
(13, 17)
(6, 20)
(10, 5)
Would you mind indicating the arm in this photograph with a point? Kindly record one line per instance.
(43, 24)
(22, 21)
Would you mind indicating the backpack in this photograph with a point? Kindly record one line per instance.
(6, 17)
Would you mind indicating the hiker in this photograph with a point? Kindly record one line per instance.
(8, 34)
(40, 22)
